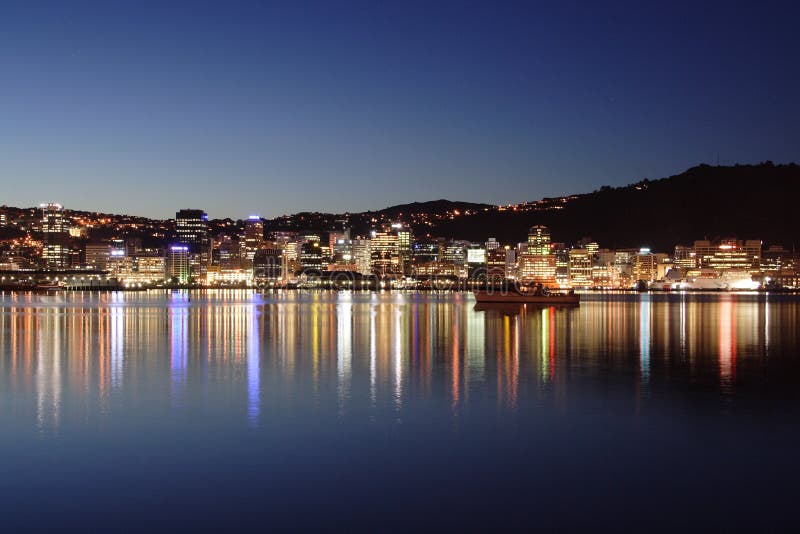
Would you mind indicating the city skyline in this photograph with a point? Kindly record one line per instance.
(142, 108)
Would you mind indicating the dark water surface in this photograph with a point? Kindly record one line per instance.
(130, 411)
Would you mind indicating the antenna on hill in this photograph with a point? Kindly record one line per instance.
(717, 159)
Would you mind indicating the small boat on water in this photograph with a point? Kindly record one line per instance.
(526, 295)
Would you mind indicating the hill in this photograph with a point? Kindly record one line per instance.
(746, 201)
(440, 206)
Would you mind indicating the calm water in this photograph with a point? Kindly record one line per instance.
(397, 410)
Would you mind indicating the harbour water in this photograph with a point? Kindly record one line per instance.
(325, 410)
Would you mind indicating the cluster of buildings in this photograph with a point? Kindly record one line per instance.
(190, 251)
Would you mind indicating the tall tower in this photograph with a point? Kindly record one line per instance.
(253, 236)
(55, 236)
(192, 229)
(539, 240)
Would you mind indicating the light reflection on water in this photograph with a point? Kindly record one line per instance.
(267, 366)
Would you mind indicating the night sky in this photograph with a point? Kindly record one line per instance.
(263, 108)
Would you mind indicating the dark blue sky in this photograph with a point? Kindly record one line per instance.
(274, 108)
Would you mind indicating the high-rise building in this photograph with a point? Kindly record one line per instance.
(385, 253)
(55, 232)
(424, 252)
(176, 264)
(362, 255)
(191, 227)
(580, 268)
(404, 240)
(684, 257)
(253, 237)
(645, 266)
(268, 265)
(539, 240)
(311, 256)
(496, 264)
(476, 261)
(537, 265)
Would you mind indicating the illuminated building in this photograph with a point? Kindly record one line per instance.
(455, 252)
(511, 262)
(684, 257)
(560, 251)
(176, 264)
(343, 251)
(191, 227)
(437, 268)
(476, 261)
(149, 268)
(55, 236)
(253, 237)
(96, 255)
(580, 268)
(3, 220)
(424, 252)
(539, 240)
(537, 269)
(728, 254)
(385, 253)
(334, 238)
(776, 258)
(311, 256)
(537, 265)
(404, 239)
(362, 255)
(496, 264)
(492, 244)
(268, 265)
(645, 266)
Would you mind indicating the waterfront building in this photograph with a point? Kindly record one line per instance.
(385, 253)
(537, 269)
(561, 253)
(176, 264)
(728, 253)
(425, 252)
(342, 251)
(776, 258)
(96, 255)
(645, 266)
(684, 257)
(537, 265)
(496, 264)
(149, 268)
(268, 265)
(311, 256)
(362, 255)
(580, 268)
(511, 262)
(476, 261)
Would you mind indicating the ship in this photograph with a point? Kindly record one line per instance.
(526, 295)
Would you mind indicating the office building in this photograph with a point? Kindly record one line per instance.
(191, 227)
(55, 236)
(176, 264)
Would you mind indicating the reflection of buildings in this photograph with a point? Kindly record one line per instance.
(368, 354)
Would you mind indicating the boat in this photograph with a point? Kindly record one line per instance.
(525, 295)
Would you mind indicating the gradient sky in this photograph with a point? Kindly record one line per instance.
(273, 108)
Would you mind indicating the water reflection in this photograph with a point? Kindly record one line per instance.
(372, 353)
